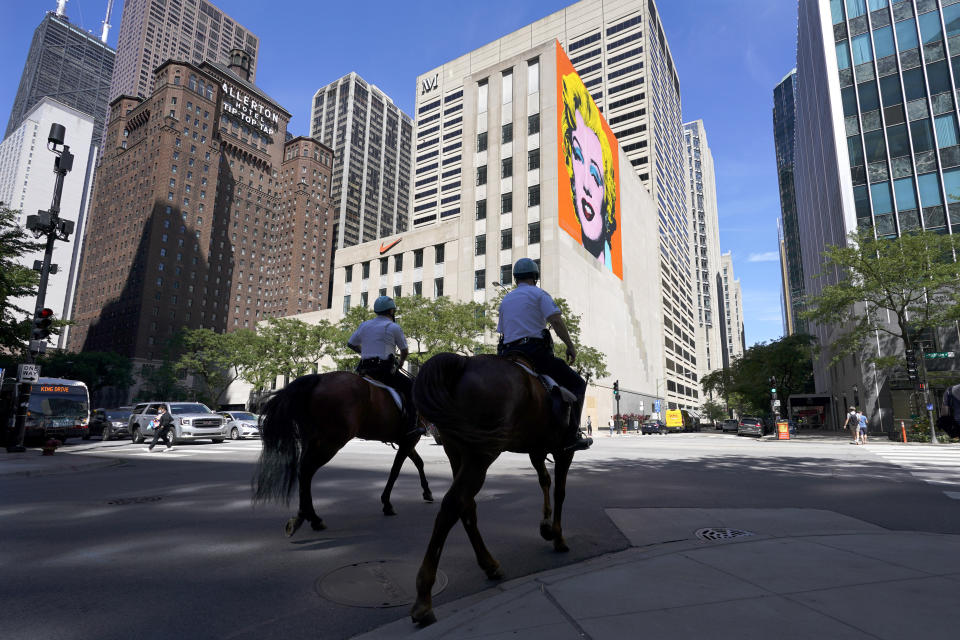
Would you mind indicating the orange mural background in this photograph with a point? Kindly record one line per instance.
(567, 214)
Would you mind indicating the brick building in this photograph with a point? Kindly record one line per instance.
(203, 214)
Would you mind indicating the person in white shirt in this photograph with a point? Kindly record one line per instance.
(377, 341)
(524, 315)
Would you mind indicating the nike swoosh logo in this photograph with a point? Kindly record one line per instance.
(385, 248)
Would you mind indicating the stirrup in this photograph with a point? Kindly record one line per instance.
(580, 443)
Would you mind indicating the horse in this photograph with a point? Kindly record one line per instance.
(308, 421)
(481, 406)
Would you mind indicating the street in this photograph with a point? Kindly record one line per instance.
(166, 544)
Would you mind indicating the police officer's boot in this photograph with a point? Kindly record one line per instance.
(575, 440)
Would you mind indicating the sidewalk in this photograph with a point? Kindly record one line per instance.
(33, 463)
(784, 573)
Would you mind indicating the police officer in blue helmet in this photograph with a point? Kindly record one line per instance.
(377, 341)
(524, 315)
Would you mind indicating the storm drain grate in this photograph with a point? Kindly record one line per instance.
(141, 500)
(714, 533)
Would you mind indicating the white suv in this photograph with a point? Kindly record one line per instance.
(191, 421)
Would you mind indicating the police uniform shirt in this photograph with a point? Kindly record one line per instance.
(378, 338)
(524, 312)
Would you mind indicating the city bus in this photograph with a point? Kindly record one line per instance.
(58, 408)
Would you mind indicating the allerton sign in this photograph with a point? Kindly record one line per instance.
(249, 110)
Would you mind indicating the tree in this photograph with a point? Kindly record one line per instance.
(16, 281)
(714, 410)
(217, 359)
(345, 359)
(590, 363)
(161, 383)
(98, 369)
(442, 325)
(913, 280)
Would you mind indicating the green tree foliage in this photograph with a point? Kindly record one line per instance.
(215, 360)
(345, 359)
(590, 363)
(714, 410)
(161, 383)
(16, 281)
(745, 384)
(442, 325)
(913, 280)
(97, 369)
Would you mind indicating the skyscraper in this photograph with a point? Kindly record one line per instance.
(619, 49)
(878, 147)
(733, 308)
(705, 242)
(784, 131)
(189, 30)
(372, 140)
(69, 65)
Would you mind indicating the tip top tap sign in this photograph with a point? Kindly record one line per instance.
(249, 110)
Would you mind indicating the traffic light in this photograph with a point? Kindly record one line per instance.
(773, 384)
(42, 323)
(616, 387)
(911, 357)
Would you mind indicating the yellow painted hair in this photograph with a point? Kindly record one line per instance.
(577, 98)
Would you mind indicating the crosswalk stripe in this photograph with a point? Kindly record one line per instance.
(936, 466)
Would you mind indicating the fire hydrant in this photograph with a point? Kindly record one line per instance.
(50, 446)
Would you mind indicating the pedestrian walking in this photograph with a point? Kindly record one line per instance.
(861, 427)
(612, 426)
(853, 424)
(589, 426)
(163, 423)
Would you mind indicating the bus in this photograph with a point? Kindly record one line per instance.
(58, 408)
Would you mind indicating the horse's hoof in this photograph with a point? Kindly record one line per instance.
(495, 574)
(427, 496)
(546, 530)
(317, 525)
(292, 525)
(560, 545)
(423, 618)
(388, 510)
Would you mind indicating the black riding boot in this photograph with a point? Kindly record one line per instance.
(574, 439)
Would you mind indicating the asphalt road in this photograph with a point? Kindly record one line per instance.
(168, 545)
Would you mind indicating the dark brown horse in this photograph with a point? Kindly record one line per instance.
(483, 406)
(309, 420)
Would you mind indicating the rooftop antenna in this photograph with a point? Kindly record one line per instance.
(106, 22)
(61, 7)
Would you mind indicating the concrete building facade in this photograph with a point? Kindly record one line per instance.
(705, 242)
(733, 309)
(27, 181)
(204, 215)
(69, 65)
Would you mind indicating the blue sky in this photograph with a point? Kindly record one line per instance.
(729, 56)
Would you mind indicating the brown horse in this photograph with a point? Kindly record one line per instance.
(309, 420)
(482, 406)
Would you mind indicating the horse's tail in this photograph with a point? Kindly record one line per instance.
(433, 388)
(281, 423)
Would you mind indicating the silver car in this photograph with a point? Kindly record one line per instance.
(191, 421)
(242, 424)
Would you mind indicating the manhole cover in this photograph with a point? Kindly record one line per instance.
(141, 500)
(712, 533)
(379, 583)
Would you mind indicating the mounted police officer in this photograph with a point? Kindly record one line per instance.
(377, 342)
(524, 315)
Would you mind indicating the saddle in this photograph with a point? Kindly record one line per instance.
(397, 398)
(562, 398)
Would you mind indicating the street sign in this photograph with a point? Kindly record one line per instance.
(776, 403)
(656, 406)
(28, 373)
(935, 355)
(929, 407)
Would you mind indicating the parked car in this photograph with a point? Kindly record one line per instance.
(730, 425)
(242, 424)
(653, 426)
(433, 433)
(750, 426)
(110, 423)
(191, 421)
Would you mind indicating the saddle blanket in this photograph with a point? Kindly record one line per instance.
(393, 392)
(549, 383)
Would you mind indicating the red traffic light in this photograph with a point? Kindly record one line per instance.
(45, 313)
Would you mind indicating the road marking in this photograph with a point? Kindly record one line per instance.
(936, 465)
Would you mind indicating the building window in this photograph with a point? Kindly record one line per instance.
(398, 262)
(481, 175)
(533, 232)
(507, 86)
(482, 141)
(418, 288)
(506, 202)
(437, 287)
(363, 299)
(506, 275)
(533, 159)
(438, 254)
(383, 266)
(482, 97)
(533, 195)
(533, 123)
(506, 167)
(346, 303)
(396, 291)
(533, 76)
(506, 239)
(348, 275)
(479, 279)
(366, 270)
(481, 209)
(417, 258)
(480, 245)
(506, 134)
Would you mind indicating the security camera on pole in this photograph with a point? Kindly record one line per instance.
(46, 223)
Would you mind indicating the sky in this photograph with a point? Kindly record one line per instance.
(729, 55)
